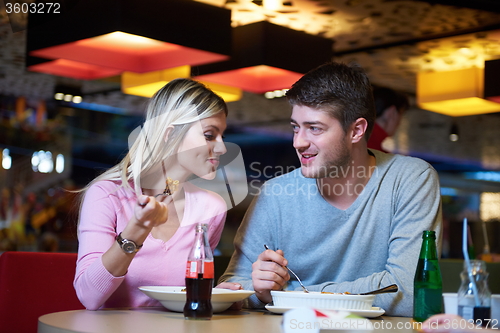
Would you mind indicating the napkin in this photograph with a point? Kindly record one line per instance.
(310, 320)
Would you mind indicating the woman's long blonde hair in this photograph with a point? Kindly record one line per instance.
(178, 104)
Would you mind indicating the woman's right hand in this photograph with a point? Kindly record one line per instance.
(150, 212)
(147, 216)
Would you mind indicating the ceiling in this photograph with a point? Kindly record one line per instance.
(391, 39)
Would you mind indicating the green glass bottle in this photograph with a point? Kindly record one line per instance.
(427, 285)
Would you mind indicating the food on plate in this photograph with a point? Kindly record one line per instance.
(344, 293)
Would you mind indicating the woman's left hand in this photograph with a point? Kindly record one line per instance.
(229, 285)
(232, 286)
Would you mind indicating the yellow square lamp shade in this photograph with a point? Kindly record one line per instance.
(147, 84)
(228, 93)
(454, 93)
(129, 35)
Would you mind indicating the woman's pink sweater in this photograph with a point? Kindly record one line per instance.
(106, 210)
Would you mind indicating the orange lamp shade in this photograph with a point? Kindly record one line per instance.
(130, 35)
(73, 69)
(454, 93)
(127, 52)
(256, 79)
(266, 57)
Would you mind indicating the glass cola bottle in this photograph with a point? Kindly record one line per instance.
(199, 277)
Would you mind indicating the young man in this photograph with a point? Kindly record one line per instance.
(390, 106)
(350, 219)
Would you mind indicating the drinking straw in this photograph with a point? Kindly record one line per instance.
(471, 251)
(469, 267)
(485, 236)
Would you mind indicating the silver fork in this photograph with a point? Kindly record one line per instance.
(293, 273)
(165, 193)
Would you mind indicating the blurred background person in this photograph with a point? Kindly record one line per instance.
(390, 106)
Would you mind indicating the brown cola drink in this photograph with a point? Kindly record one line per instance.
(198, 298)
(199, 277)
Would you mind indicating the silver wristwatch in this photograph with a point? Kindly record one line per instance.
(127, 245)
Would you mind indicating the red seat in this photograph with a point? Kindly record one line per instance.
(33, 284)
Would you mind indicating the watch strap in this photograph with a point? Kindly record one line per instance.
(122, 241)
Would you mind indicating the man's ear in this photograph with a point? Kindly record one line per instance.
(167, 132)
(359, 130)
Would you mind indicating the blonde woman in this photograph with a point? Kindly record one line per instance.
(136, 219)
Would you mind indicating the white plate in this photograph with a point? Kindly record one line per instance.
(174, 299)
(374, 312)
(319, 300)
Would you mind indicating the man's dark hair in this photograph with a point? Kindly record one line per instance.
(386, 97)
(344, 91)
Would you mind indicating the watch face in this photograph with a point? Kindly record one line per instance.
(129, 247)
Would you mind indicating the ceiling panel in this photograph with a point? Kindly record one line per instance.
(362, 23)
(391, 39)
(397, 66)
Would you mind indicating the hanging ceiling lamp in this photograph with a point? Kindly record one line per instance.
(492, 80)
(228, 93)
(147, 84)
(127, 35)
(69, 68)
(454, 93)
(267, 57)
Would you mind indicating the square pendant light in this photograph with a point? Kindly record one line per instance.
(228, 93)
(267, 57)
(454, 93)
(69, 68)
(129, 35)
(147, 84)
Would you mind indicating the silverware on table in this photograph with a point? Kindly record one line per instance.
(293, 273)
